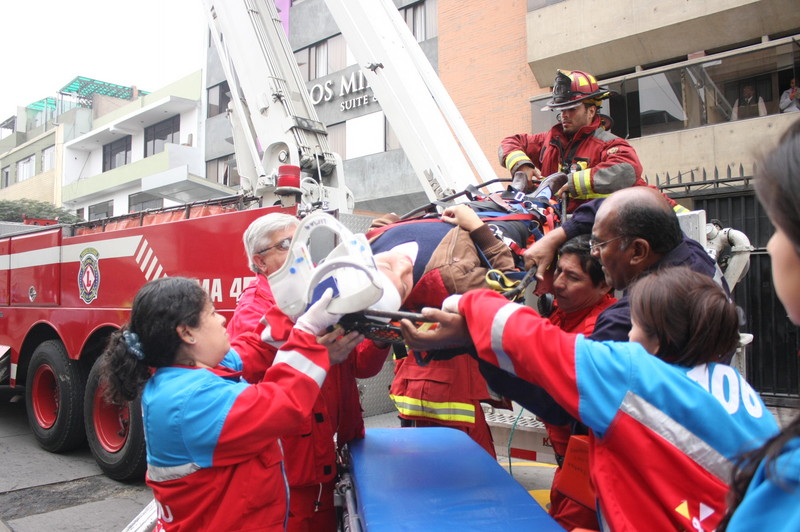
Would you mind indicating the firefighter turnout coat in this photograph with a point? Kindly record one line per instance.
(596, 161)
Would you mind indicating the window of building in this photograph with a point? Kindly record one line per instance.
(117, 153)
(218, 98)
(141, 201)
(421, 19)
(79, 213)
(5, 177)
(223, 171)
(694, 93)
(337, 138)
(156, 136)
(101, 210)
(48, 158)
(365, 135)
(323, 58)
(25, 168)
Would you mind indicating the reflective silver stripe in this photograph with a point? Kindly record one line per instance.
(675, 433)
(498, 325)
(301, 363)
(162, 474)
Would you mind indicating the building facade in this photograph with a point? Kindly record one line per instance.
(146, 154)
(478, 53)
(681, 71)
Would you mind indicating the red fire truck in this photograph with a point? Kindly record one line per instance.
(64, 289)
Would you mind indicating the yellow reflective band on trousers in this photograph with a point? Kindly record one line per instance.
(516, 157)
(448, 411)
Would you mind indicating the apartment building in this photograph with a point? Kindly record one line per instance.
(146, 154)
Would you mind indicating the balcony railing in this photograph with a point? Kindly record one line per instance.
(699, 92)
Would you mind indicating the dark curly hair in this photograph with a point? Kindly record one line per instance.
(159, 308)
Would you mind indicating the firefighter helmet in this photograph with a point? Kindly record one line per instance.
(574, 87)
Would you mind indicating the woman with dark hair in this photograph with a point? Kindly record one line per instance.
(214, 461)
(664, 429)
(765, 493)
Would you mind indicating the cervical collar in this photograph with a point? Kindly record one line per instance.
(349, 269)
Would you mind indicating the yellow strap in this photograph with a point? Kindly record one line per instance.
(498, 281)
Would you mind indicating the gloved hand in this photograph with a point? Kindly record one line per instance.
(450, 304)
(317, 318)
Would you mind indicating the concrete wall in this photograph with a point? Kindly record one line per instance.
(618, 35)
(39, 187)
(720, 146)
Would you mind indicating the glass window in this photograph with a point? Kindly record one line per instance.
(320, 52)
(101, 210)
(48, 158)
(79, 213)
(421, 19)
(25, 168)
(117, 153)
(337, 53)
(218, 98)
(365, 135)
(5, 177)
(141, 201)
(337, 139)
(301, 56)
(695, 93)
(223, 171)
(156, 136)
(323, 58)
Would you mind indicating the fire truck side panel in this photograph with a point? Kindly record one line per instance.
(96, 276)
(4, 270)
(34, 262)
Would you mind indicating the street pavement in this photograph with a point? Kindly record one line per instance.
(68, 492)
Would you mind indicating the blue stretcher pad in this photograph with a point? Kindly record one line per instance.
(437, 479)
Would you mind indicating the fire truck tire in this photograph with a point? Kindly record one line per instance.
(54, 398)
(115, 433)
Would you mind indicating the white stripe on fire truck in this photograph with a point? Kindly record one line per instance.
(143, 259)
(106, 249)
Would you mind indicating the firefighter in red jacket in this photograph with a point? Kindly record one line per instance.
(336, 417)
(596, 161)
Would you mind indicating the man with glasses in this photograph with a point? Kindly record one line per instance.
(633, 232)
(310, 458)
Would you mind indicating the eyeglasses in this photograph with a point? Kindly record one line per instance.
(283, 245)
(595, 244)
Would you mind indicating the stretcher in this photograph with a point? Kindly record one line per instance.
(432, 479)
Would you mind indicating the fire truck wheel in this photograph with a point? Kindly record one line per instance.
(115, 433)
(54, 398)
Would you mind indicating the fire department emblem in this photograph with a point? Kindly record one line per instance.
(89, 275)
